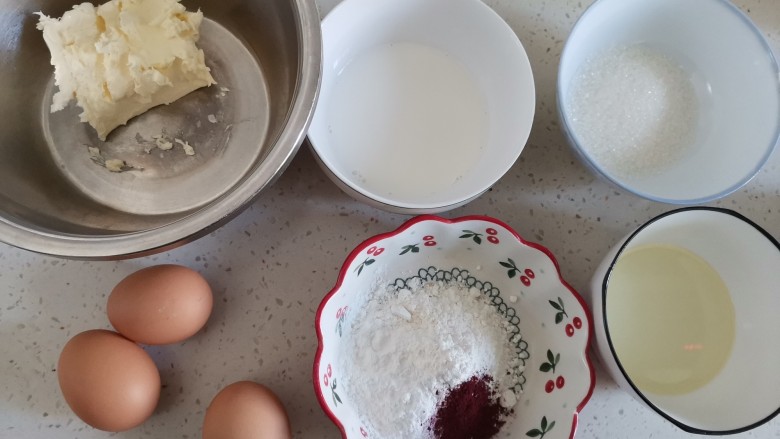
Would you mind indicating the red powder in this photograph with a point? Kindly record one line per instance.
(469, 411)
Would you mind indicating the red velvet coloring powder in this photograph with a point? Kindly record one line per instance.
(469, 411)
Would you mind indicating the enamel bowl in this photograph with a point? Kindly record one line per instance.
(720, 60)
(525, 286)
(424, 104)
(745, 391)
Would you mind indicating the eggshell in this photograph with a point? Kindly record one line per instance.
(108, 381)
(159, 305)
(246, 410)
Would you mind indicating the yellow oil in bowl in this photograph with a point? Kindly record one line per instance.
(670, 318)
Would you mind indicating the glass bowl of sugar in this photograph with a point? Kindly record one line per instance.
(452, 328)
(677, 102)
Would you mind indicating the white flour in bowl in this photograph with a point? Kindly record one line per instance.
(408, 347)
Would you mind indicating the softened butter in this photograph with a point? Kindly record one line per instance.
(121, 58)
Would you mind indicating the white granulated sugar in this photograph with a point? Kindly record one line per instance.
(634, 110)
(407, 348)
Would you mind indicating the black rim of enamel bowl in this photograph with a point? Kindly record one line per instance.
(605, 284)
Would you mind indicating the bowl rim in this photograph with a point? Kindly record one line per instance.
(380, 204)
(603, 323)
(569, 132)
(396, 204)
(367, 243)
(17, 232)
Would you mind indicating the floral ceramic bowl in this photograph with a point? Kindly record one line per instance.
(522, 282)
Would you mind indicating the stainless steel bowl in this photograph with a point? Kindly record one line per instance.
(56, 199)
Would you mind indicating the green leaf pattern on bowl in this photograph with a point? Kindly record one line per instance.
(426, 246)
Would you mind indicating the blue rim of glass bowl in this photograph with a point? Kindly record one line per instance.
(605, 283)
(571, 136)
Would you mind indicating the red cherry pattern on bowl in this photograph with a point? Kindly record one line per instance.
(521, 271)
(477, 236)
(561, 315)
(492, 238)
(526, 279)
(513, 270)
(330, 381)
(551, 385)
(341, 315)
(375, 251)
(549, 367)
(372, 252)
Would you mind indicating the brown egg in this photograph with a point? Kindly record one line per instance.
(246, 410)
(160, 305)
(108, 381)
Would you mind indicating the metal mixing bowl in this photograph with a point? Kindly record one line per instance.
(56, 199)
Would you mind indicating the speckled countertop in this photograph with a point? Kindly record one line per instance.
(271, 266)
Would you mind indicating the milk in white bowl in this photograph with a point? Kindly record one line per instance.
(424, 104)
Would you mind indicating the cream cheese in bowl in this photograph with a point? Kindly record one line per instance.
(120, 59)
(185, 168)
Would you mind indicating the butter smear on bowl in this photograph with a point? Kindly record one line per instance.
(121, 58)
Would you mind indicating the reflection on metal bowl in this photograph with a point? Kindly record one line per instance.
(55, 198)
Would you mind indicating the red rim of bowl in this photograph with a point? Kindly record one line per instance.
(408, 224)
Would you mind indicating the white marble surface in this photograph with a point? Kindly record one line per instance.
(271, 266)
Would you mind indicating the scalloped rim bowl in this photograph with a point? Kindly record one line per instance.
(553, 318)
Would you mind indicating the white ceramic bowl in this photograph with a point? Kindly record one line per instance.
(480, 251)
(746, 391)
(424, 103)
(734, 78)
